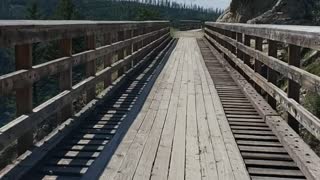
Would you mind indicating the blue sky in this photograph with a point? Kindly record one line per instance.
(208, 3)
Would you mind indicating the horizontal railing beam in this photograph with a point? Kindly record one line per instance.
(300, 76)
(18, 79)
(307, 119)
(13, 130)
(304, 36)
(23, 32)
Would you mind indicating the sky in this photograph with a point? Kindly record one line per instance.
(208, 3)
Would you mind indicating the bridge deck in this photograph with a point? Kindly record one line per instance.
(179, 134)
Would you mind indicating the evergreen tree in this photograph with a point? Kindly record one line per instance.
(65, 10)
(33, 11)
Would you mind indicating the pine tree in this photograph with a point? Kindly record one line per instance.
(65, 10)
(33, 11)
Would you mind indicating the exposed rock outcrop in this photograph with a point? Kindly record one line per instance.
(269, 12)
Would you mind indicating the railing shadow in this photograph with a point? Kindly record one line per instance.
(87, 150)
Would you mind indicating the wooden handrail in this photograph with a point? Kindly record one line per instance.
(137, 39)
(22, 32)
(18, 79)
(297, 36)
(304, 36)
(300, 76)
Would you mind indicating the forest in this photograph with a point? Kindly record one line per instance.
(107, 10)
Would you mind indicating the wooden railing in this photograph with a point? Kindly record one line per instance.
(251, 51)
(235, 42)
(129, 41)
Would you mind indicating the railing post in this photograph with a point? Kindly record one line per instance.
(129, 49)
(107, 60)
(257, 63)
(91, 66)
(234, 36)
(240, 40)
(23, 58)
(293, 87)
(271, 74)
(65, 79)
(121, 52)
(247, 39)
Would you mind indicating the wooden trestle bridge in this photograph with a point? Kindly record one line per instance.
(198, 106)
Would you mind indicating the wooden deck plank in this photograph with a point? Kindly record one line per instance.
(238, 169)
(177, 163)
(161, 164)
(207, 158)
(130, 162)
(151, 103)
(223, 163)
(181, 132)
(144, 168)
(192, 147)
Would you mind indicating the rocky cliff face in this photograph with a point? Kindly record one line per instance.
(269, 12)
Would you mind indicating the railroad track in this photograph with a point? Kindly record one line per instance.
(264, 156)
(88, 144)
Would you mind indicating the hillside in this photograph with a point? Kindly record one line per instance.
(270, 12)
(109, 10)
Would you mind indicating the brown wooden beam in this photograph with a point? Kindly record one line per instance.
(107, 59)
(272, 74)
(65, 79)
(247, 42)
(293, 87)
(24, 99)
(91, 66)
(257, 63)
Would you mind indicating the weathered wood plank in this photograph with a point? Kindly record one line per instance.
(299, 151)
(17, 127)
(304, 78)
(177, 161)
(23, 31)
(305, 36)
(192, 147)
(65, 79)
(232, 165)
(20, 78)
(24, 98)
(152, 102)
(293, 87)
(160, 168)
(147, 159)
(307, 119)
(207, 156)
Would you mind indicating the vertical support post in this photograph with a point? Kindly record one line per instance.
(257, 63)
(129, 48)
(23, 57)
(91, 66)
(271, 74)
(234, 36)
(293, 87)
(135, 45)
(107, 60)
(121, 52)
(246, 57)
(240, 40)
(65, 79)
